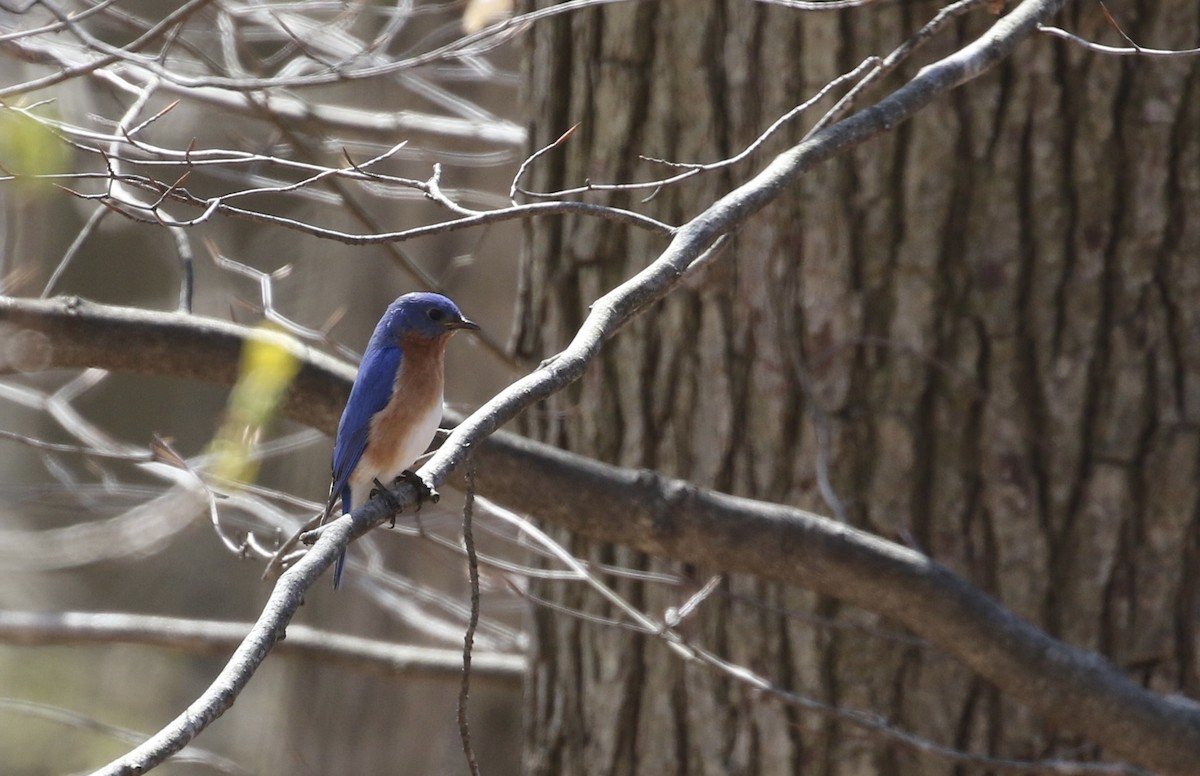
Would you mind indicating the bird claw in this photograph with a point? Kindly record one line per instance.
(379, 491)
(424, 492)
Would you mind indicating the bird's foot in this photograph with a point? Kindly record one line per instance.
(424, 492)
(379, 491)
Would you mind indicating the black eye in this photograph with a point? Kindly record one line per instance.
(436, 314)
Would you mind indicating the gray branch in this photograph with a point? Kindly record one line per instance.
(208, 637)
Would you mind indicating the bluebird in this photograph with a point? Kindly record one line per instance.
(396, 402)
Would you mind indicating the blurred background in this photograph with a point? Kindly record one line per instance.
(66, 708)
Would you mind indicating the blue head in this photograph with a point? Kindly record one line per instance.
(419, 314)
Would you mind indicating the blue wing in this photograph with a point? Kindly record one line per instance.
(371, 392)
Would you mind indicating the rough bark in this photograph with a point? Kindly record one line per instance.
(994, 307)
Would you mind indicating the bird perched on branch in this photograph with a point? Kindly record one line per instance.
(395, 405)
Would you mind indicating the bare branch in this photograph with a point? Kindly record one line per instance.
(467, 46)
(819, 5)
(690, 652)
(464, 691)
(1117, 51)
(211, 637)
(690, 168)
(894, 59)
(168, 23)
(93, 221)
(68, 718)
(217, 205)
(1133, 50)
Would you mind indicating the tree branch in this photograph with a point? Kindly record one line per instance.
(674, 520)
(73, 333)
(210, 637)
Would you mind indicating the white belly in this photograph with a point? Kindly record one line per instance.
(405, 432)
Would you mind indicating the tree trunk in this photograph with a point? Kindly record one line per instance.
(986, 322)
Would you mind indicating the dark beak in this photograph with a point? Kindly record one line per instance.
(462, 323)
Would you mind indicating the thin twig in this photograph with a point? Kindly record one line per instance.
(218, 637)
(168, 23)
(467, 46)
(464, 691)
(1133, 51)
(68, 718)
(691, 168)
(94, 219)
(819, 5)
(893, 60)
(694, 654)
(516, 181)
